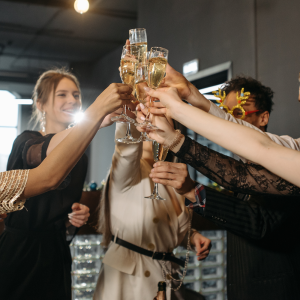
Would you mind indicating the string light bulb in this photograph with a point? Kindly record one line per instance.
(81, 6)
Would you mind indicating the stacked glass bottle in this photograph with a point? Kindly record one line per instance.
(87, 255)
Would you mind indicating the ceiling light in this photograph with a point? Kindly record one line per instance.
(81, 6)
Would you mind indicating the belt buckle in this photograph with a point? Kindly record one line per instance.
(164, 254)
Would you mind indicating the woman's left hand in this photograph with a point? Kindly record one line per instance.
(80, 215)
(202, 245)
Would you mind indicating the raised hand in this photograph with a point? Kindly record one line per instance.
(186, 90)
(166, 133)
(175, 175)
(107, 120)
(202, 245)
(80, 214)
(178, 81)
(168, 97)
(114, 96)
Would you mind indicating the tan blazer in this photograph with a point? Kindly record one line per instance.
(150, 224)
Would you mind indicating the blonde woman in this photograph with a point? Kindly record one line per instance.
(35, 259)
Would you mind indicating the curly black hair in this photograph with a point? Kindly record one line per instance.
(262, 94)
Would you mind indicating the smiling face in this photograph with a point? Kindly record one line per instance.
(62, 105)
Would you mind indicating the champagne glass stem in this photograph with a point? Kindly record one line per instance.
(155, 190)
(148, 113)
(128, 131)
(128, 138)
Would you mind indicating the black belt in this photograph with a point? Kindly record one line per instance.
(168, 256)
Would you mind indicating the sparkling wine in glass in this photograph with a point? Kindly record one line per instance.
(159, 154)
(129, 60)
(138, 38)
(141, 78)
(157, 63)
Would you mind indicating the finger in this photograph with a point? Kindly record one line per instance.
(165, 175)
(81, 211)
(202, 257)
(155, 104)
(171, 183)
(167, 164)
(124, 88)
(118, 111)
(125, 97)
(76, 206)
(157, 111)
(76, 224)
(79, 217)
(152, 93)
(207, 244)
(203, 254)
(131, 106)
(170, 167)
(127, 44)
(141, 115)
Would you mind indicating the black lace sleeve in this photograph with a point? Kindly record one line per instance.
(232, 174)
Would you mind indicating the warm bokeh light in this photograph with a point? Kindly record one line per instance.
(81, 6)
(78, 117)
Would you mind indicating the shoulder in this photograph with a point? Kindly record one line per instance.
(27, 135)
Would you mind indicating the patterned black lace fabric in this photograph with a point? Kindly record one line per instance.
(232, 174)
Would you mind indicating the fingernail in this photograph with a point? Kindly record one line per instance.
(154, 165)
(143, 118)
(142, 106)
(147, 89)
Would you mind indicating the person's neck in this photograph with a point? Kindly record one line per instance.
(263, 128)
(52, 127)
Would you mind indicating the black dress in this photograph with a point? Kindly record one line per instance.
(35, 259)
(263, 245)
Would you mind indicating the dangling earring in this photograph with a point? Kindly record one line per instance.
(43, 122)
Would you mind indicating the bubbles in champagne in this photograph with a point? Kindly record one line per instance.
(159, 152)
(142, 49)
(140, 92)
(127, 71)
(156, 69)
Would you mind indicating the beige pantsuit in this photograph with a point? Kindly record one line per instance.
(150, 224)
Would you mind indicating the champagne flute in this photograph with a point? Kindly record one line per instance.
(159, 154)
(138, 38)
(157, 64)
(141, 79)
(129, 60)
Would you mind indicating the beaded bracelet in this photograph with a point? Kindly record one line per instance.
(176, 140)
